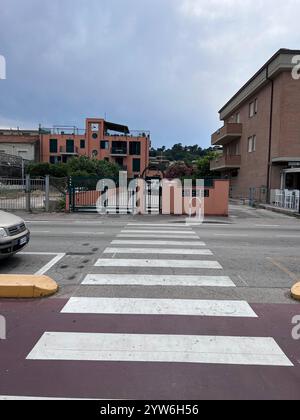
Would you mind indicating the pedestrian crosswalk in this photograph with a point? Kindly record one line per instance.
(159, 348)
(156, 280)
(103, 262)
(189, 307)
(164, 256)
(174, 251)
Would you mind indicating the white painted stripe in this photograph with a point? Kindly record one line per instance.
(50, 264)
(157, 236)
(288, 236)
(232, 235)
(170, 225)
(120, 306)
(24, 398)
(173, 251)
(88, 233)
(159, 280)
(168, 232)
(158, 263)
(39, 231)
(162, 243)
(268, 226)
(159, 348)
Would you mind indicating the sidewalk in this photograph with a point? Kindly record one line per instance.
(274, 209)
(85, 217)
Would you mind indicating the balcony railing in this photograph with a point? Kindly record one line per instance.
(119, 151)
(229, 132)
(68, 151)
(225, 162)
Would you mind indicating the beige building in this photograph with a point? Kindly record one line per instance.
(261, 132)
(21, 143)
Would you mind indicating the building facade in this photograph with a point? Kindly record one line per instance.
(261, 132)
(23, 144)
(100, 140)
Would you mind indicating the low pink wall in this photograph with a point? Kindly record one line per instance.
(217, 204)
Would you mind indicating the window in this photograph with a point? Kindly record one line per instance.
(136, 165)
(53, 145)
(52, 160)
(253, 108)
(135, 148)
(104, 145)
(256, 106)
(70, 146)
(82, 144)
(252, 144)
(238, 118)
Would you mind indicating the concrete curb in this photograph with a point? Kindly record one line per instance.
(24, 286)
(296, 291)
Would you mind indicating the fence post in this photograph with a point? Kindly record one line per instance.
(47, 193)
(28, 190)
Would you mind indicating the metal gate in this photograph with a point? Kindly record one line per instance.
(22, 194)
(89, 195)
(153, 196)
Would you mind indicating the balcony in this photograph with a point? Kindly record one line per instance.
(225, 162)
(69, 151)
(119, 148)
(226, 134)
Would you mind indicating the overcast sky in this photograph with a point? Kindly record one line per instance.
(162, 65)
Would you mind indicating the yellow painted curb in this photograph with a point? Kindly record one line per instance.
(296, 291)
(21, 286)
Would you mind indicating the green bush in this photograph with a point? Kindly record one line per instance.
(76, 167)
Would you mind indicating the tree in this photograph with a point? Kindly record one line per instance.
(179, 171)
(203, 165)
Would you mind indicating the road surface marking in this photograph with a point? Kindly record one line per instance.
(288, 236)
(168, 232)
(284, 269)
(268, 226)
(157, 236)
(70, 223)
(40, 231)
(170, 225)
(162, 243)
(24, 398)
(233, 235)
(181, 307)
(159, 280)
(159, 348)
(158, 263)
(50, 264)
(88, 233)
(174, 251)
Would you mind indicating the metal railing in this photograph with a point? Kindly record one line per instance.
(119, 151)
(33, 194)
(286, 199)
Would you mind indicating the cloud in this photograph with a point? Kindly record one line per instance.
(162, 65)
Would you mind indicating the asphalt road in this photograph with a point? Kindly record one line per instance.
(254, 250)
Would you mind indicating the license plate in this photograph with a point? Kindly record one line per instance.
(23, 241)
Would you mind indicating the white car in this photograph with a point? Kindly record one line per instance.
(14, 234)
